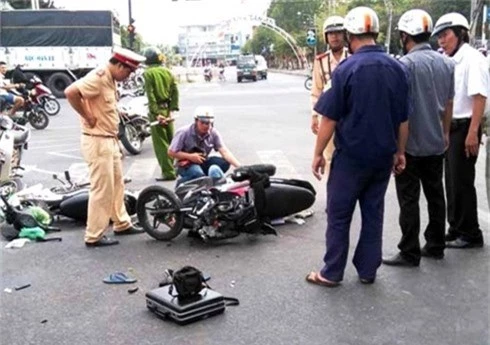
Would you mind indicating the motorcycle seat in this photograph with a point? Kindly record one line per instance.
(247, 171)
(20, 137)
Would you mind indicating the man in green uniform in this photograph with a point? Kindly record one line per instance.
(163, 99)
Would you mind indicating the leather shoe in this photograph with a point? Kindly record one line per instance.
(103, 242)
(132, 230)
(399, 260)
(436, 256)
(450, 236)
(459, 243)
(367, 281)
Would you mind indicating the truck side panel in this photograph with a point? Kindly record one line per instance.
(56, 28)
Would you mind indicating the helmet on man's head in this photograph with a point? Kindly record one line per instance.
(450, 20)
(153, 56)
(415, 22)
(361, 20)
(333, 24)
(204, 114)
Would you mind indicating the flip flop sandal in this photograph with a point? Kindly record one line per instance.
(314, 278)
(118, 278)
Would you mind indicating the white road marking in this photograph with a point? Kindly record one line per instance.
(284, 167)
(142, 169)
(64, 155)
(29, 168)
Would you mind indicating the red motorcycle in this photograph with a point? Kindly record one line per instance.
(40, 94)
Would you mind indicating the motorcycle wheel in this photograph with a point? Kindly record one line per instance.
(50, 105)
(11, 186)
(158, 211)
(308, 83)
(38, 119)
(131, 139)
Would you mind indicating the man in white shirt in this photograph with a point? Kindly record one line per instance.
(7, 97)
(472, 87)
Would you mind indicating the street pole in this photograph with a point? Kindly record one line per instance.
(389, 7)
(130, 34)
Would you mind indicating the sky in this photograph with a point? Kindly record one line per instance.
(158, 20)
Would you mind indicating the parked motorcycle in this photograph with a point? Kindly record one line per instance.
(246, 204)
(13, 141)
(309, 83)
(40, 94)
(70, 199)
(133, 129)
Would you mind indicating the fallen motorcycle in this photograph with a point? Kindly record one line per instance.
(68, 200)
(246, 204)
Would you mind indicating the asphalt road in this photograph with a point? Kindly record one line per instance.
(441, 302)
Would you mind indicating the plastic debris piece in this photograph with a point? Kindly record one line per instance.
(133, 290)
(232, 283)
(7, 290)
(278, 221)
(22, 287)
(17, 243)
(44, 321)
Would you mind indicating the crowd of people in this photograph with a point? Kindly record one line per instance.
(418, 117)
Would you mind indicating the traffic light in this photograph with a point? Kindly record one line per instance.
(311, 37)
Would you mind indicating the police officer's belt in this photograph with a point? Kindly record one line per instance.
(163, 105)
(99, 135)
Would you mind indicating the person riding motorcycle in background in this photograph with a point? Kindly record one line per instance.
(323, 67)
(163, 98)
(9, 98)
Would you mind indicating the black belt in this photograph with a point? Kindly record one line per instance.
(461, 121)
(100, 136)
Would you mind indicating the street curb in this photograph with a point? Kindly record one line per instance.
(300, 72)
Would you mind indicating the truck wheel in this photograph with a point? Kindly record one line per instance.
(58, 82)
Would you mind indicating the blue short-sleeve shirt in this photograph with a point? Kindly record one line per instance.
(369, 98)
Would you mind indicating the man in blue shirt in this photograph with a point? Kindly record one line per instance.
(367, 107)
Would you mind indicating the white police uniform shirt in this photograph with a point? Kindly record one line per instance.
(471, 77)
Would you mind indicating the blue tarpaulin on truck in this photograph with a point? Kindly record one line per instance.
(57, 28)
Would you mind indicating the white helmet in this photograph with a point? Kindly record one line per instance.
(361, 20)
(415, 22)
(333, 23)
(450, 20)
(204, 113)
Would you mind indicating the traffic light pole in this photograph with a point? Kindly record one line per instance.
(130, 34)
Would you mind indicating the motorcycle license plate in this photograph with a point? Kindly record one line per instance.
(246, 73)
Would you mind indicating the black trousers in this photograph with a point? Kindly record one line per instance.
(460, 185)
(426, 171)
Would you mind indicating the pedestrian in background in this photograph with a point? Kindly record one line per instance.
(367, 107)
(472, 87)
(94, 99)
(163, 99)
(432, 91)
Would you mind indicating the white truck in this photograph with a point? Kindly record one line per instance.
(58, 46)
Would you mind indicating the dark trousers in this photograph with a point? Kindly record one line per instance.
(428, 172)
(348, 183)
(462, 205)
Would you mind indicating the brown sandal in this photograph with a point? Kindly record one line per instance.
(315, 278)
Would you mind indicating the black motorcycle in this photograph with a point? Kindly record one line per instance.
(246, 204)
(133, 130)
